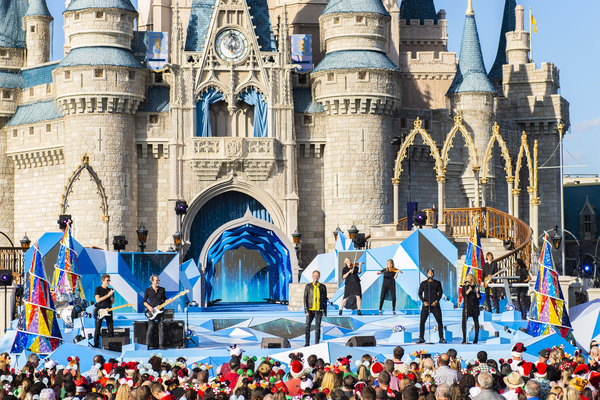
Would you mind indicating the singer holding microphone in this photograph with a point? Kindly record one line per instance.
(430, 293)
(471, 298)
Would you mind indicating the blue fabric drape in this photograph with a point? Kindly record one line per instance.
(203, 128)
(255, 99)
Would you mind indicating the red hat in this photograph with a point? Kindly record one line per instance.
(595, 379)
(376, 368)
(519, 348)
(582, 369)
(525, 368)
(296, 369)
(541, 369)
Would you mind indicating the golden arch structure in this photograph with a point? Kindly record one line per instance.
(496, 137)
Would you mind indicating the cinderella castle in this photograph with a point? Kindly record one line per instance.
(265, 116)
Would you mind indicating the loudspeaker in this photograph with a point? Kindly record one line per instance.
(115, 343)
(6, 277)
(361, 341)
(174, 333)
(117, 332)
(275, 343)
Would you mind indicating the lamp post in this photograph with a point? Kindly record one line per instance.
(177, 241)
(297, 237)
(352, 231)
(142, 234)
(336, 233)
(25, 242)
(558, 239)
(561, 132)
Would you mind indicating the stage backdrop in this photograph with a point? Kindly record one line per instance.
(423, 249)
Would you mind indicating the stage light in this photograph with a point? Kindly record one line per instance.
(420, 219)
(359, 240)
(336, 233)
(142, 233)
(587, 265)
(193, 303)
(63, 220)
(181, 207)
(6, 277)
(119, 243)
(25, 242)
(78, 338)
(556, 238)
(510, 307)
(399, 328)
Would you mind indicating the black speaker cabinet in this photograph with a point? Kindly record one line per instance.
(115, 343)
(174, 334)
(361, 341)
(121, 332)
(275, 343)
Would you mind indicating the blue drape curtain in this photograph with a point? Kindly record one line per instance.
(203, 111)
(254, 98)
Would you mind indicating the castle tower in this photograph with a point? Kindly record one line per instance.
(36, 23)
(99, 87)
(473, 97)
(508, 25)
(358, 86)
(517, 41)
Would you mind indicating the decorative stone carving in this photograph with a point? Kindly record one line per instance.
(234, 148)
(38, 158)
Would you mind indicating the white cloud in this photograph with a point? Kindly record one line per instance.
(586, 125)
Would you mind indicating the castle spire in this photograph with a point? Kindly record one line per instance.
(508, 25)
(470, 8)
(471, 75)
(418, 9)
(38, 8)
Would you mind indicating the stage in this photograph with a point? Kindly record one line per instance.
(215, 328)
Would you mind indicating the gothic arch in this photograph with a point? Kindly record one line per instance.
(207, 85)
(458, 126)
(524, 150)
(233, 184)
(488, 154)
(439, 168)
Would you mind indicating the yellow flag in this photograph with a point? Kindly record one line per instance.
(534, 24)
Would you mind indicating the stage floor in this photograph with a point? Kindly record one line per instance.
(215, 328)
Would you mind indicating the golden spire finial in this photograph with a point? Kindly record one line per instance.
(470, 8)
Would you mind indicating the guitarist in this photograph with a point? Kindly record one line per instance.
(105, 297)
(489, 269)
(154, 296)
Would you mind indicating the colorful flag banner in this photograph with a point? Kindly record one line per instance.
(66, 281)
(302, 52)
(474, 261)
(157, 55)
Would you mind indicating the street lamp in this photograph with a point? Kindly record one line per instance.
(297, 237)
(352, 231)
(556, 238)
(142, 233)
(25, 242)
(336, 233)
(177, 240)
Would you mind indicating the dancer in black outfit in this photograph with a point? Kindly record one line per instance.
(352, 288)
(491, 294)
(390, 273)
(105, 298)
(471, 298)
(430, 293)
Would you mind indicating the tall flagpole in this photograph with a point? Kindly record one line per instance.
(530, 37)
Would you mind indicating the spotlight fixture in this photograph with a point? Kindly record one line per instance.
(399, 328)
(420, 219)
(359, 240)
(510, 307)
(78, 338)
(508, 244)
(63, 220)
(6, 277)
(119, 243)
(181, 207)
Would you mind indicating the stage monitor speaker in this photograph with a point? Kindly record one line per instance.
(117, 332)
(361, 341)
(6, 277)
(114, 343)
(174, 334)
(275, 343)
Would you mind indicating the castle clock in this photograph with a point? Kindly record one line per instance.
(231, 45)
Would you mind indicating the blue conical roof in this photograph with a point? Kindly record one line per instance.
(418, 9)
(83, 4)
(508, 25)
(38, 7)
(471, 75)
(11, 23)
(355, 6)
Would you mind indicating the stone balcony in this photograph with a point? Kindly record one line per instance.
(256, 157)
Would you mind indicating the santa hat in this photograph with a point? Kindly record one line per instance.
(525, 368)
(518, 349)
(376, 368)
(296, 369)
(595, 379)
(541, 370)
(581, 370)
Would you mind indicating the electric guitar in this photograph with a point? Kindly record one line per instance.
(103, 312)
(488, 278)
(158, 309)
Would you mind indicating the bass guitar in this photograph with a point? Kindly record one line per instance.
(103, 312)
(159, 309)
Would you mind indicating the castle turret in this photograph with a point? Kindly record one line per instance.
(517, 41)
(358, 86)
(508, 25)
(473, 97)
(99, 87)
(36, 24)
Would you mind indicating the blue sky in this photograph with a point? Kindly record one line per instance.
(564, 37)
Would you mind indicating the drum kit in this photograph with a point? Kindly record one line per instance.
(69, 304)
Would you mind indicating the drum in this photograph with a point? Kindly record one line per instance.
(66, 315)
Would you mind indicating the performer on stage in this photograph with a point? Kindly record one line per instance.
(105, 297)
(521, 292)
(390, 273)
(352, 288)
(471, 298)
(315, 306)
(430, 293)
(154, 296)
(490, 268)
